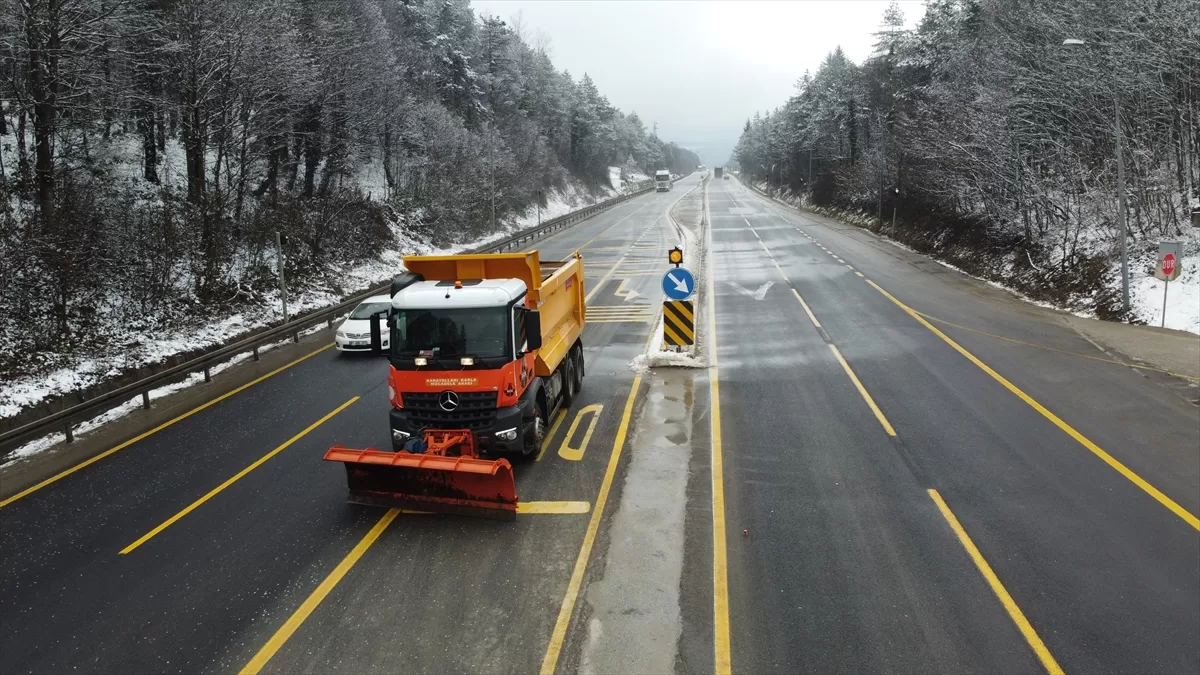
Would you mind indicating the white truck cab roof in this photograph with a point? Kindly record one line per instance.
(474, 293)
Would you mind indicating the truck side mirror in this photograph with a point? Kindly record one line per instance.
(533, 330)
(376, 335)
(402, 281)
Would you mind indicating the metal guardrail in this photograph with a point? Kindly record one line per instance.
(64, 420)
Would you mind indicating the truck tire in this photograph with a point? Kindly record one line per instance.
(577, 370)
(534, 439)
(569, 381)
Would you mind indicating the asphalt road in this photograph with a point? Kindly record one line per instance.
(849, 563)
(215, 586)
(889, 468)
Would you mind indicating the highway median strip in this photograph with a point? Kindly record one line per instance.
(233, 479)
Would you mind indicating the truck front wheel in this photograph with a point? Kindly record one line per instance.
(537, 432)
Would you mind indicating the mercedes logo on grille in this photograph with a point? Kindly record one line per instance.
(448, 401)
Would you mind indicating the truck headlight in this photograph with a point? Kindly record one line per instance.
(507, 435)
(420, 361)
(467, 361)
(400, 436)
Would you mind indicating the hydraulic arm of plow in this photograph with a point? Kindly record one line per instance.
(448, 477)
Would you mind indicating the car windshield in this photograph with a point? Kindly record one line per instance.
(365, 310)
(441, 333)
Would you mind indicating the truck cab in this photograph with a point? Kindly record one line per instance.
(479, 349)
(662, 181)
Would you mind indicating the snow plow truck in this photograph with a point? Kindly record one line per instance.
(484, 350)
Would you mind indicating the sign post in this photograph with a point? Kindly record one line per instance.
(1168, 268)
(678, 285)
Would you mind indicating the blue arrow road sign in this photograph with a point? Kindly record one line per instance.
(678, 284)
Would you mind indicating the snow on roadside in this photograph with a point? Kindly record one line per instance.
(1183, 294)
(1145, 291)
(149, 347)
(558, 203)
(614, 178)
(21, 392)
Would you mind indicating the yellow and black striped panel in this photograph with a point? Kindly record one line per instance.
(679, 323)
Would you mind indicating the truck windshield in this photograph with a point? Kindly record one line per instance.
(451, 333)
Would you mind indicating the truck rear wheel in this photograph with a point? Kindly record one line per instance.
(569, 381)
(577, 370)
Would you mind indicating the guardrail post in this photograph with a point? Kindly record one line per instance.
(67, 431)
(256, 357)
(146, 400)
(207, 377)
(296, 337)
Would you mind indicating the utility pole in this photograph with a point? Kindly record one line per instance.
(882, 163)
(282, 281)
(1121, 224)
(492, 166)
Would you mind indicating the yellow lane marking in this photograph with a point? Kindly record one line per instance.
(781, 272)
(236, 477)
(306, 608)
(558, 420)
(1125, 471)
(722, 661)
(850, 267)
(575, 454)
(887, 426)
(811, 317)
(859, 273)
(643, 319)
(550, 660)
(1014, 612)
(1056, 351)
(554, 507)
(59, 476)
(557, 508)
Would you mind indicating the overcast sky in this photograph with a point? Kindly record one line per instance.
(697, 68)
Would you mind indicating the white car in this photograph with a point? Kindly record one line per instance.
(354, 334)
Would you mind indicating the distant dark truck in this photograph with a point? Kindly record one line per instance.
(717, 172)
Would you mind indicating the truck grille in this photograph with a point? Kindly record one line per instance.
(476, 410)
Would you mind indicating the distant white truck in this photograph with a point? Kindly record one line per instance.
(662, 181)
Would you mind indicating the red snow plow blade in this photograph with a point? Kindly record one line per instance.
(448, 477)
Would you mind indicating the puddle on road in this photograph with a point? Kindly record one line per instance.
(637, 600)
